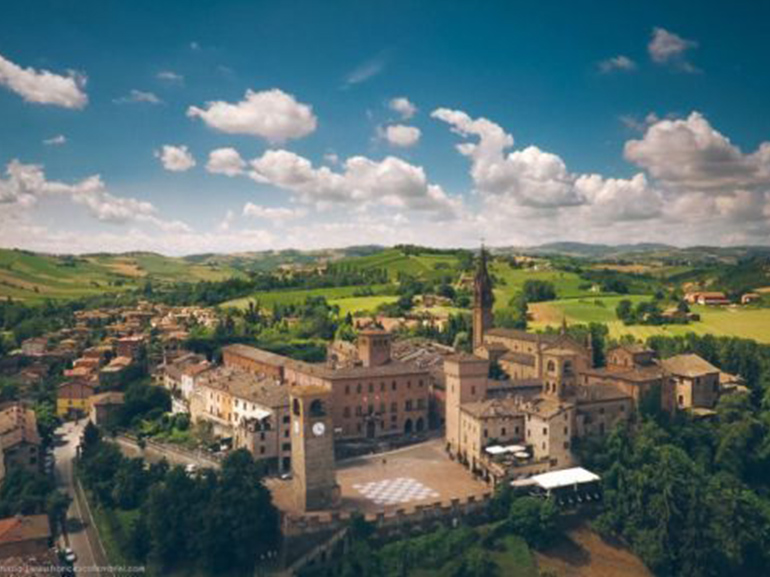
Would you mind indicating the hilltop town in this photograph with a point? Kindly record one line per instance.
(386, 423)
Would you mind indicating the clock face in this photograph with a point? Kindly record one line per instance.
(319, 429)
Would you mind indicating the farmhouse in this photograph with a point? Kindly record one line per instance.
(707, 298)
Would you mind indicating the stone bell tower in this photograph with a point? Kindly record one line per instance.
(483, 300)
(312, 449)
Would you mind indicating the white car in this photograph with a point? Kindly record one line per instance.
(69, 555)
(191, 468)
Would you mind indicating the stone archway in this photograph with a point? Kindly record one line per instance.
(419, 425)
(408, 426)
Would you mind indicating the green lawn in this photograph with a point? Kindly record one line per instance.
(745, 322)
(267, 299)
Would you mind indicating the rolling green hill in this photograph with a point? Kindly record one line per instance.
(33, 277)
(425, 265)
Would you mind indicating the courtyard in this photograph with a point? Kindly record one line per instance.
(417, 475)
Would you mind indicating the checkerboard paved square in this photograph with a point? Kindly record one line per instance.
(395, 491)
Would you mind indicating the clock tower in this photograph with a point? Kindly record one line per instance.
(312, 449)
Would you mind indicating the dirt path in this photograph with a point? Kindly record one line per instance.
(582, 553)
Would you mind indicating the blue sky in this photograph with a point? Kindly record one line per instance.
(600, 121)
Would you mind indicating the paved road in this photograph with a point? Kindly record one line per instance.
(77, 518)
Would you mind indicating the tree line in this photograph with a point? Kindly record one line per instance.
(221, 522)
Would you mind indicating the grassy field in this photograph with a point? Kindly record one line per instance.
(32, 277)
(353, 305)
(333, 294)
(567, 284)
(425, 265)
(745, 322)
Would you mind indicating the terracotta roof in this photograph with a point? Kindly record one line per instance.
(635, 348)
(255, 354)
(247, 386)
(636, 374)
(518, 334)
(24, 528)
(492, 408)
(465, 358)
(688, 366)
(108, 398)
(75, 390)
(545, 408)
(588, 395)
(519, 358)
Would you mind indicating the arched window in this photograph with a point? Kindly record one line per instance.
(567, 368)
(317, 408)
(295, 407)
(551, 367)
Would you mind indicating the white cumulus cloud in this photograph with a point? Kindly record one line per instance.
(668, 48)
(391, 182)
(529, 177)
(402, 135)
(175, 158)
(27, 184)
(271, 114)
(403, 106)
(44, 87)
(225, 161)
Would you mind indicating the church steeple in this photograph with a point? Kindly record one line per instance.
(483, 300)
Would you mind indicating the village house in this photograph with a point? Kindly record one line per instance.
(129, 347)
(696, 382)
(34, 347)
(748, 298)
(19, 439)
(250, 409)
(24, 535)
(73, 398)
(104, 405)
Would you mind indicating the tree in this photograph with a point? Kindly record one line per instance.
(476, 563)
(240, 524)
(534, 520)
(625, 311)
(538, 290)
